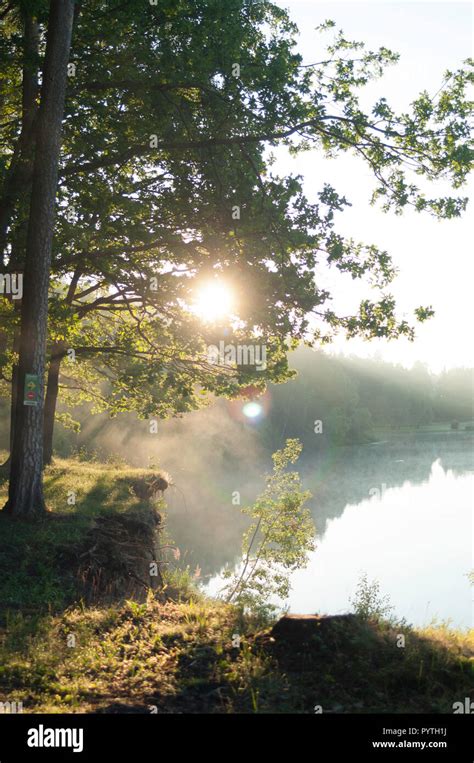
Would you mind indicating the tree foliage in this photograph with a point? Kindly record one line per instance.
(280, 536)
(171, 114)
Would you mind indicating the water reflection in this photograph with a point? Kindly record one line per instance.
(351, 474)
(416, 539)
(400, 509)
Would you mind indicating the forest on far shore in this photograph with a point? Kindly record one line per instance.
(348, 398)
(355, 397)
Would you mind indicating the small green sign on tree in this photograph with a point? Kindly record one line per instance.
(32, 389)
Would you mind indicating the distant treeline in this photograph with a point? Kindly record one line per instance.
(349, 398)
(353, 397)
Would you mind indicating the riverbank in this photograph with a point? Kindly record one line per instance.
(173, 650)
(199, 656)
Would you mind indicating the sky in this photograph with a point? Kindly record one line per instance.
(434, 258)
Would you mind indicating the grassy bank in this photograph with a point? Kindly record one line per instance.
(39, 561)
(177, 651)
(178, 656)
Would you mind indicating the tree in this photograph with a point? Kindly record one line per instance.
(17, 184)
(168, 121)
(25, 489)
(279, 539)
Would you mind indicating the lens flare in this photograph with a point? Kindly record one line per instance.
(251, 407)
(252, 410)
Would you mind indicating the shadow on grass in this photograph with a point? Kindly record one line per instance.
(37, 559)
(350, 666)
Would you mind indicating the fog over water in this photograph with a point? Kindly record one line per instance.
(399, 509)
(398, 505)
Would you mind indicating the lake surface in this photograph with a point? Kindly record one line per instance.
(400, 510)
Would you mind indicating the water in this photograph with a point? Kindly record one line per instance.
(400, 510)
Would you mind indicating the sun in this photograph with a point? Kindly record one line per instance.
(214, 301)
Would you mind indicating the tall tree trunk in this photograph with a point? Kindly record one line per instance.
(16, 342)
(19, 178)
(57, 353)
(26, 486)
(52, 388)
(5, 467)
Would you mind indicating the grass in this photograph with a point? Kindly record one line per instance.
(175, 652)
(168, 656)
(33, 556)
